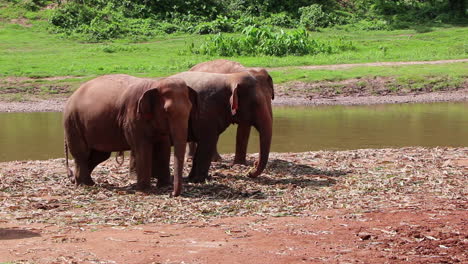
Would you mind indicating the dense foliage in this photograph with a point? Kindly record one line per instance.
(265, 41)
(98, 20)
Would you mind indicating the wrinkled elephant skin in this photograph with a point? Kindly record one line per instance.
(116, 113)
(225, 99)
(265, 93)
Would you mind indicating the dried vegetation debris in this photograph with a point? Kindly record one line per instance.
(294, 184)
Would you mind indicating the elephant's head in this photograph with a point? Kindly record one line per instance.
(253, 92)
(168, 105)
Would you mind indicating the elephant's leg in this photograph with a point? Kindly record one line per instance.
(216, 157)
(192, 146)
(82, 172)
(132, 173)
(161, 160)
(242, 140)
(143, 152)
(81, 154)
(97, 157)
(202, 160)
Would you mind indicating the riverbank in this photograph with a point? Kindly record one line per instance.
(292, 94)
(372, 205)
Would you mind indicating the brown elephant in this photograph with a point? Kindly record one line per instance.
(265, 93)
(225, 99)
(121, 112)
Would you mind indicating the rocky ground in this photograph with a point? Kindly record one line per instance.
(405, 205)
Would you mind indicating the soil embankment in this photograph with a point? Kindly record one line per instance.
(291, 95)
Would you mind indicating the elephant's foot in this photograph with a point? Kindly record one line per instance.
(196, 179)
(239, 161)
(87, 181)
(143, 184)
(162, 184)
(216, 158)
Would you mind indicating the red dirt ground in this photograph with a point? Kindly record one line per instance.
(335, 236)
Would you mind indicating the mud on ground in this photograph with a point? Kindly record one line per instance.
(405, 205)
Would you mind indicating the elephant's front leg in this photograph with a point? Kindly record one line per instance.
(216, 157)
(143, 152)
(132, 173)
(161, 160)
(191, 148)
(242, 140)
(202, 160)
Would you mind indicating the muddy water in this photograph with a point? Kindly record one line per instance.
(39, 135)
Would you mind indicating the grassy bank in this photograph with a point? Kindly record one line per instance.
(33, 52)
(402, 72)
(35, 62)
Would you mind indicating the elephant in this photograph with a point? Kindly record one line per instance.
(115, 113)
(225, 99)
(265, 93)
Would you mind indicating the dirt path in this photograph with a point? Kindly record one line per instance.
(369, 64)
(405, 205)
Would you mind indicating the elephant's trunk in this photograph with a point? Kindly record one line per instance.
(179, 138)
(264, 122)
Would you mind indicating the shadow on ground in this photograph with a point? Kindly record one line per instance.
(9, 234)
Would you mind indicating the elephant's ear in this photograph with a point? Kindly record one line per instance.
(194, 113)
(270, 83)
(193, 96)
(234, 100)
(147, 102)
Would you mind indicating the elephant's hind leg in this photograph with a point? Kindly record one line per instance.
(85, 163)
(95, 158)
(161, 160)
(202, 160)
(82, 173)
(81, 154)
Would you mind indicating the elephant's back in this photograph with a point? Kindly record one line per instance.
(99, 96)
(219, 66)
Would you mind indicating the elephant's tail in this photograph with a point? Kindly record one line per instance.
(69, 172)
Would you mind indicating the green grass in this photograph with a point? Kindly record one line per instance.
(33, 52)
(410, 73)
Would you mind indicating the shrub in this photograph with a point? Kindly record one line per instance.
(313, 17)
(267, 41)
(369, 25)
(33, 5)
(247, 21)
(220, 24)
(71, 16)
(281, 20)
(167, 27)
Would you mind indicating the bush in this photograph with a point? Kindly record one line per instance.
(167, 27)
(369, 25)
(267, 41)
(220, 24)
(71, 16)
(281, 20)
(313, 17)
(247, 21)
